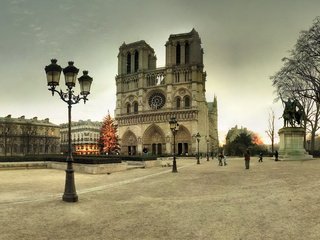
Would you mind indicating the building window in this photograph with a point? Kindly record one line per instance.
(177, 77)
(178, 102)
(128, 63)
(187, 52)
(187, 102)
(135, 107)
(136, 61)
(149, 61)
(178, 51)
(128, 108)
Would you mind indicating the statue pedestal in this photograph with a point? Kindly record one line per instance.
(291, 144)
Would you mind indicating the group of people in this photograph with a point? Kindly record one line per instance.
(223, 161)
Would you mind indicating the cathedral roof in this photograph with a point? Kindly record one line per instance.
(136, 44)
(192, 33)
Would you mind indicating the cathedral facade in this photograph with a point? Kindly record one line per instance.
(147, 97)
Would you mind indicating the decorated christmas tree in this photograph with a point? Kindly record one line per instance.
(108, 136)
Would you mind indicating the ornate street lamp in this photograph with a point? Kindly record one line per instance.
(53, 72)
(174, 126)
(198, 140)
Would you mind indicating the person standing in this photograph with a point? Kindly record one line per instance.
(276, 155)
(260, 157)
(247, 159)
(220, 158)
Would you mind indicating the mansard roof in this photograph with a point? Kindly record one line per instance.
(22, 120)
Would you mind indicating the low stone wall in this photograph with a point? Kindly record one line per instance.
(90, 168)
(81, 168)
(22, 165)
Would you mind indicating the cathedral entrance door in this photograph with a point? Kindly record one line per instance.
(182, 149)
(186, 150)
(179, 148)
(156, 149)
(132, 150)
(159, 149)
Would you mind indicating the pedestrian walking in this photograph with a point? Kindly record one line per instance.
(247, 159)
(276, 155)
(220, 158)
(224, 160)
(260, 157)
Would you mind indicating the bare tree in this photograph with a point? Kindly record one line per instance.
(270, 130)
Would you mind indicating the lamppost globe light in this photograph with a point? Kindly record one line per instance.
(85, 83)
(70, 74)
(53, 72)
(173, 123)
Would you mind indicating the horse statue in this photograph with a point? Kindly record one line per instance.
(293, 113)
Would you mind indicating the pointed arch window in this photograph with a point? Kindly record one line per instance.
(187, 53)
(135, 107)
(187, 102)
(178, 102)
(178, 53)
(128, 62)
(128, 108)
(136, 61)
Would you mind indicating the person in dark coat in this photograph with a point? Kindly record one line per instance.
(260, 157)
(276, 155)
(247, 159)
(220, 158)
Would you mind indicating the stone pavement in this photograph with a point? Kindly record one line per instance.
(271, 200)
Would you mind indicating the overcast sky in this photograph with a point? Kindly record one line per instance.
(243, 42)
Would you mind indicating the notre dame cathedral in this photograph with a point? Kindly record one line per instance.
(147, 97)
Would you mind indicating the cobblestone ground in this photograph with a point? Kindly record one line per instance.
(271, 200)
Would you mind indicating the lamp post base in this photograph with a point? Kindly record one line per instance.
(174, 165)
(70, 194)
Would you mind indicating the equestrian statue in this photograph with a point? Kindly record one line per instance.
(293, 113)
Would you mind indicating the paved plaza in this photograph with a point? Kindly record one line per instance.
(271, 200)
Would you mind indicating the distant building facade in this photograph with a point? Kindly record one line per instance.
(21, 136)
(84, 137)
(147, 97)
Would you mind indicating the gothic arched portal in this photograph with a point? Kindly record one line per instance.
(129, 143)
(153, 140)
(183, 141)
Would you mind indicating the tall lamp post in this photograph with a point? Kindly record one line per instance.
(208, 149)
(53, 72)
(174, 126)
(198, 140)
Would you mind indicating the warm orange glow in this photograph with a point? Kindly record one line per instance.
(256, 139)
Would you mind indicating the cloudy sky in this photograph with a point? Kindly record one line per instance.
(243, 42)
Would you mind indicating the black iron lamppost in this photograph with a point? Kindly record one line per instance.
(53, 72)
(208, 149)
(174, 126)
(198, 140)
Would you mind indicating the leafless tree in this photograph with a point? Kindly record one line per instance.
(271, 130)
